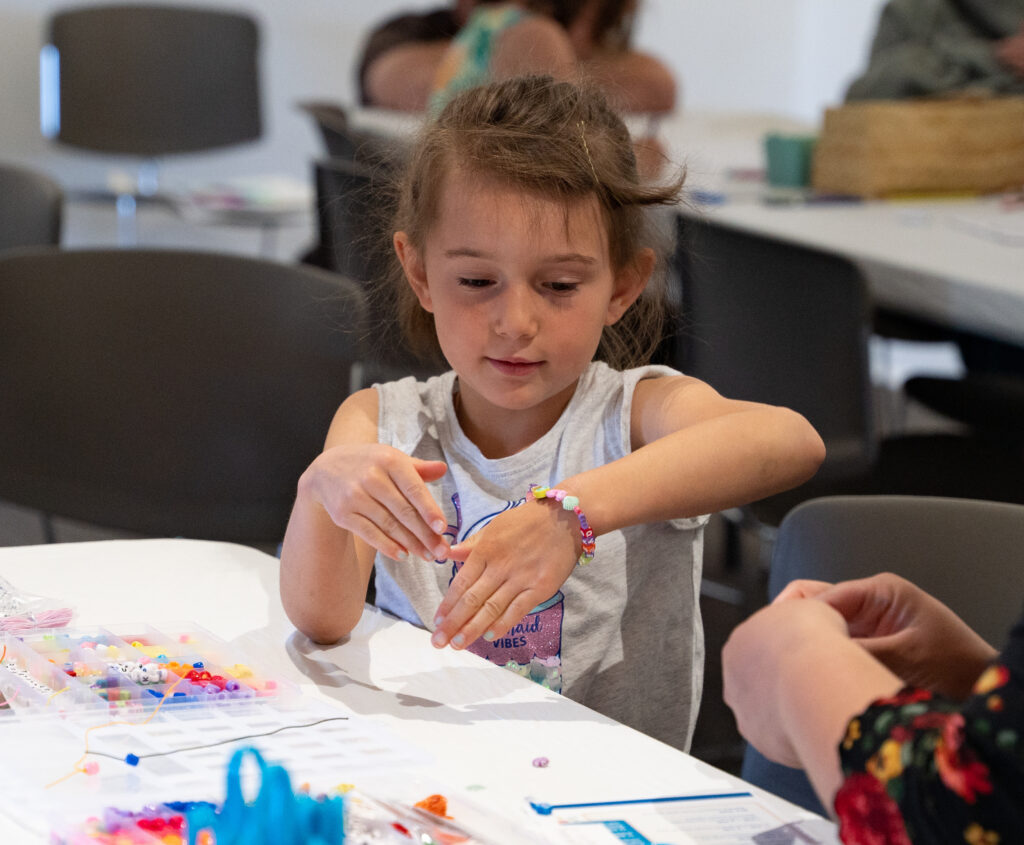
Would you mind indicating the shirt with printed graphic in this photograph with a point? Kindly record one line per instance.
(623, 635)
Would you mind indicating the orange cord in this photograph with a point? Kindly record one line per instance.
(77, 768)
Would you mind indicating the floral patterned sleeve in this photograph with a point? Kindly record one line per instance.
(922, 768)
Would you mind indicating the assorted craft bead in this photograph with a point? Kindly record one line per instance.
(570, 503)
(69, 670)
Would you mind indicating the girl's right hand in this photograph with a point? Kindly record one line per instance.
(379, 494)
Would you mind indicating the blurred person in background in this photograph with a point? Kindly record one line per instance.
(935, 47)
(415, 59)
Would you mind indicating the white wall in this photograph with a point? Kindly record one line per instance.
(786, 56)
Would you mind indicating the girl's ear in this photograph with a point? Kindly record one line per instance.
(630, 282)
(415, 270)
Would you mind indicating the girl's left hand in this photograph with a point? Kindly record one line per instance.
(520, 559)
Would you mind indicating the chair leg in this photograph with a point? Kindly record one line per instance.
(49, 535)
(732, 521)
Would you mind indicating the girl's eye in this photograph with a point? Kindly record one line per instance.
(563, 287)
(474, 283)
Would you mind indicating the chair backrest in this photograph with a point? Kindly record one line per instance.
(352, 218)
(31, 208)
(354, 242)
(342, 141)
(962, 551)
(169, 393)
(775, 322)
(149, 80)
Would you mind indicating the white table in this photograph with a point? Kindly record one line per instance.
(944, 261)
(959, 263)
(478, 725)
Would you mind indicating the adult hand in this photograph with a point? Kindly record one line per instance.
(1010, 52)
(379, 494)
(912, 633)
(760, 661)
(520, 559)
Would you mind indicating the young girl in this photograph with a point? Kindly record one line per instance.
(521, 233)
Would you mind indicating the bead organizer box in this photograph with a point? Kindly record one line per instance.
(134, 716)
(134, 670)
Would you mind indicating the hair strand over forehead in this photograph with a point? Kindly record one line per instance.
(553, 139)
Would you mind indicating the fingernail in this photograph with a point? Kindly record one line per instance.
(402, 554)
(441, 551)
(438, 620)
(458, 641)
(488, 635)
(438, 526)
(438, 639)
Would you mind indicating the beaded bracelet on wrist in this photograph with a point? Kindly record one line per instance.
(570, 503)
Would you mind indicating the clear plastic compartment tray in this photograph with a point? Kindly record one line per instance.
(128, 667)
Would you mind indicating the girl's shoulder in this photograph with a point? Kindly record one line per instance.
(411, 393)
(407, 408)
(599, 376)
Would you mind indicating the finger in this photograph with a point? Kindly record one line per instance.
(370, 534)
(521, 604)
(481, 597)
(430, 470)
(402, 493)
(498, 606)
(378, 526)
(464, 578)
(415, 490)
(462, 551)
(865, 603)
(802, 588)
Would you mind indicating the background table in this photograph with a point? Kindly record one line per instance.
(958, 263)
(949, 262)
(478, 724)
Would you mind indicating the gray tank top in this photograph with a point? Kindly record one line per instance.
(623, 635)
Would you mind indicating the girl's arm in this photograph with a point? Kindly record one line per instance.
(357, 497)
(694, 452)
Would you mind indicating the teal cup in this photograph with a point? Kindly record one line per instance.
(788, 159)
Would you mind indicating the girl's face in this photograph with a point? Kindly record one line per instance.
(520, 287)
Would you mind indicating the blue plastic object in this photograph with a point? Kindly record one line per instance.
(277, 815)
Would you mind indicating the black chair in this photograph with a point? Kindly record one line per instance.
(352, 201)
(772, 322)
(962, 551)
(169, 393)
(31, 208)
(352, 218)
(343, 141)
(153, 80)
(776, 322)
(989, 403)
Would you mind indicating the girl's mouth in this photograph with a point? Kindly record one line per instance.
(514, 366)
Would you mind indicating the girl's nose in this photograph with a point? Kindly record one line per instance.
(515, 314)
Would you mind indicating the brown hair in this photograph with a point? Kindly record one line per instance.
(555, 139)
